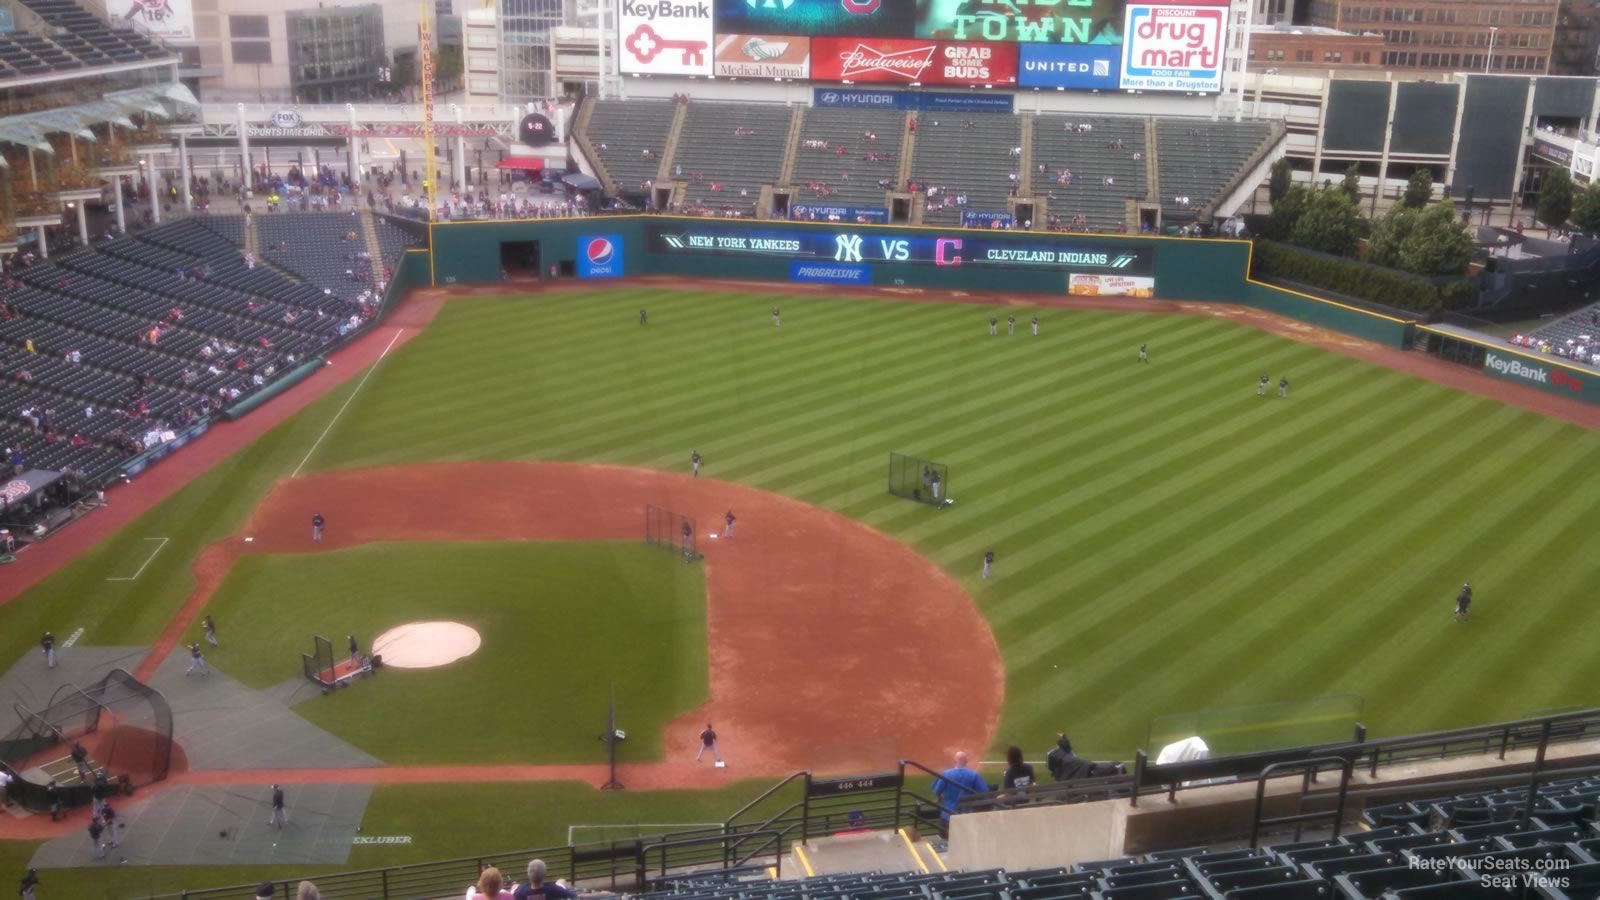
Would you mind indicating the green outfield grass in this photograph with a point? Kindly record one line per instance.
(560, 624)
(1167, 541)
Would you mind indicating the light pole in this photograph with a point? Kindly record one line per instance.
(1489, 61)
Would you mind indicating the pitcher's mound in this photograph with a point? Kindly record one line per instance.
(423, 645)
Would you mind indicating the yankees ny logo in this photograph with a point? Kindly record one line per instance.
(847, 248)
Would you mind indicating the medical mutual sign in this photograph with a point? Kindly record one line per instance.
(1174, 47)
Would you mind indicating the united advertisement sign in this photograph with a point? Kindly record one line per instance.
(872, 18)
(1094, 67)
(762, 56)
(900, 61)
(1170, 47)
(663, 37)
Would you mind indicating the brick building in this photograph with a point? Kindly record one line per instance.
(1577, 42)
(1288, 47)
(1514, 37)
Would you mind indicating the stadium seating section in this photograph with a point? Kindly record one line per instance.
(86, 41)
(742, 147)
(1199, 159)
(103, 303)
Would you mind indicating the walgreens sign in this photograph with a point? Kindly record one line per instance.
(1174, 46)
(900, 61)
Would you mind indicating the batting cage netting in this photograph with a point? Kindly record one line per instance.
(673, 531)
(124, 725)
(319, 665)
(921, 480)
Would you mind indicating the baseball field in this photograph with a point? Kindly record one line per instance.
(1168, 542)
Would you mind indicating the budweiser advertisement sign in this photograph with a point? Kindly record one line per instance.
(762, 56)
(899, 61)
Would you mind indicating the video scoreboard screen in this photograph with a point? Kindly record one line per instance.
(864, 246)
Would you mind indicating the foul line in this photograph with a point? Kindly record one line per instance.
(135, 576)
(359, 385)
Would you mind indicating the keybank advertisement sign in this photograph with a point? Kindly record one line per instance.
(665, 37)
(1087, 67)
(1551, 377)
(1173, 47)
(600, 256)
(882, 245)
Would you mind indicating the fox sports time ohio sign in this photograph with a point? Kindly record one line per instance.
(1174, 46)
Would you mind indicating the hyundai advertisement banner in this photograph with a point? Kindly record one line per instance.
(864, 215)
(600, 256)
(930, 101)
(663, 37)
(817, 18)
(1022, 21)
(1174, 47)
(762, 56)
(847, 245)
(1086, 67)
(899, 61)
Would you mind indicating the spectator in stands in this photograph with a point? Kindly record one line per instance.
(265, 891)
(491, 885)
(1063, 763)
(1019, 774)
(307, 891)
(537, 888)
(955, 781)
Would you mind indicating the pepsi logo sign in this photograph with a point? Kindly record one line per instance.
(600, 256)
(600, 251)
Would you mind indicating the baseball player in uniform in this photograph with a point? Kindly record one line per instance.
(96, 845)
(933, 483)
(1011, 326)
(988, 562)
(48, 645)
(728, 521)
(210, 628)
(52, 798)
(777, 322)
(993, 324)
(280, 817)
(80, 759)
(355, 648)
(688, 535)
(30, 881)
(197, 662)
(708, 741)
(1035, 326)
(99, 792)
(1144, 353)
(113, 825)
(1463, 602)
(644, 318)
(1283, 386)
(694, 460)
(317, 521)
(1261, 386)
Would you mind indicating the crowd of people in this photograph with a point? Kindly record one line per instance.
(962, 780)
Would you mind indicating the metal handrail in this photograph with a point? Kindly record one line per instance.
(1308, 770)
(645, 849)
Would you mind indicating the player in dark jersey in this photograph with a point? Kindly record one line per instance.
(1463, 602)
(1283, 386)
(317, 521)
(988, 562)
(993, 325)
(644, 317)
(1261, 386)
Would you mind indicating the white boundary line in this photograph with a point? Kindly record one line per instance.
(359, 385)
(679, 826)
(135, 576)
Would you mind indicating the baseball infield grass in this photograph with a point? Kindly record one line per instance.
(1167, 541)
(560, 623)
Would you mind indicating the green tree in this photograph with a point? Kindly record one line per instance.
(1586, 208)
(1328, 223)
(1438, 242)
(1555, 198)
(1352, 181)
(1286, 210)
(1388, 234)
(1419, 189)
(1282, 178)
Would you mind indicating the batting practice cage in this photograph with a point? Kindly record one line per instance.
(672, 531)
(921, 480)
(124, 725)
(319, 665)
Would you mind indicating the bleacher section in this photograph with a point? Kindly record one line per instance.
(1198, 159)
(222, 324)
(86, 41)
(734, 147)
(1061, 145)
(826, 167)
(969, 155)
(323, 248)
(620, 130)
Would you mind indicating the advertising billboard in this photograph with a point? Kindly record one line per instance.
(171, 20)
(924, 100)
(1089, 67)
(762, 56)
(600, 256)
(661, 37)
(846, 245)
(1111, 285)
(818, 18)
(1171, 47)
(1021, 21)
(903, 61)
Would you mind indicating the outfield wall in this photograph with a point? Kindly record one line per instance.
(849, 254)
(1536, 370)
